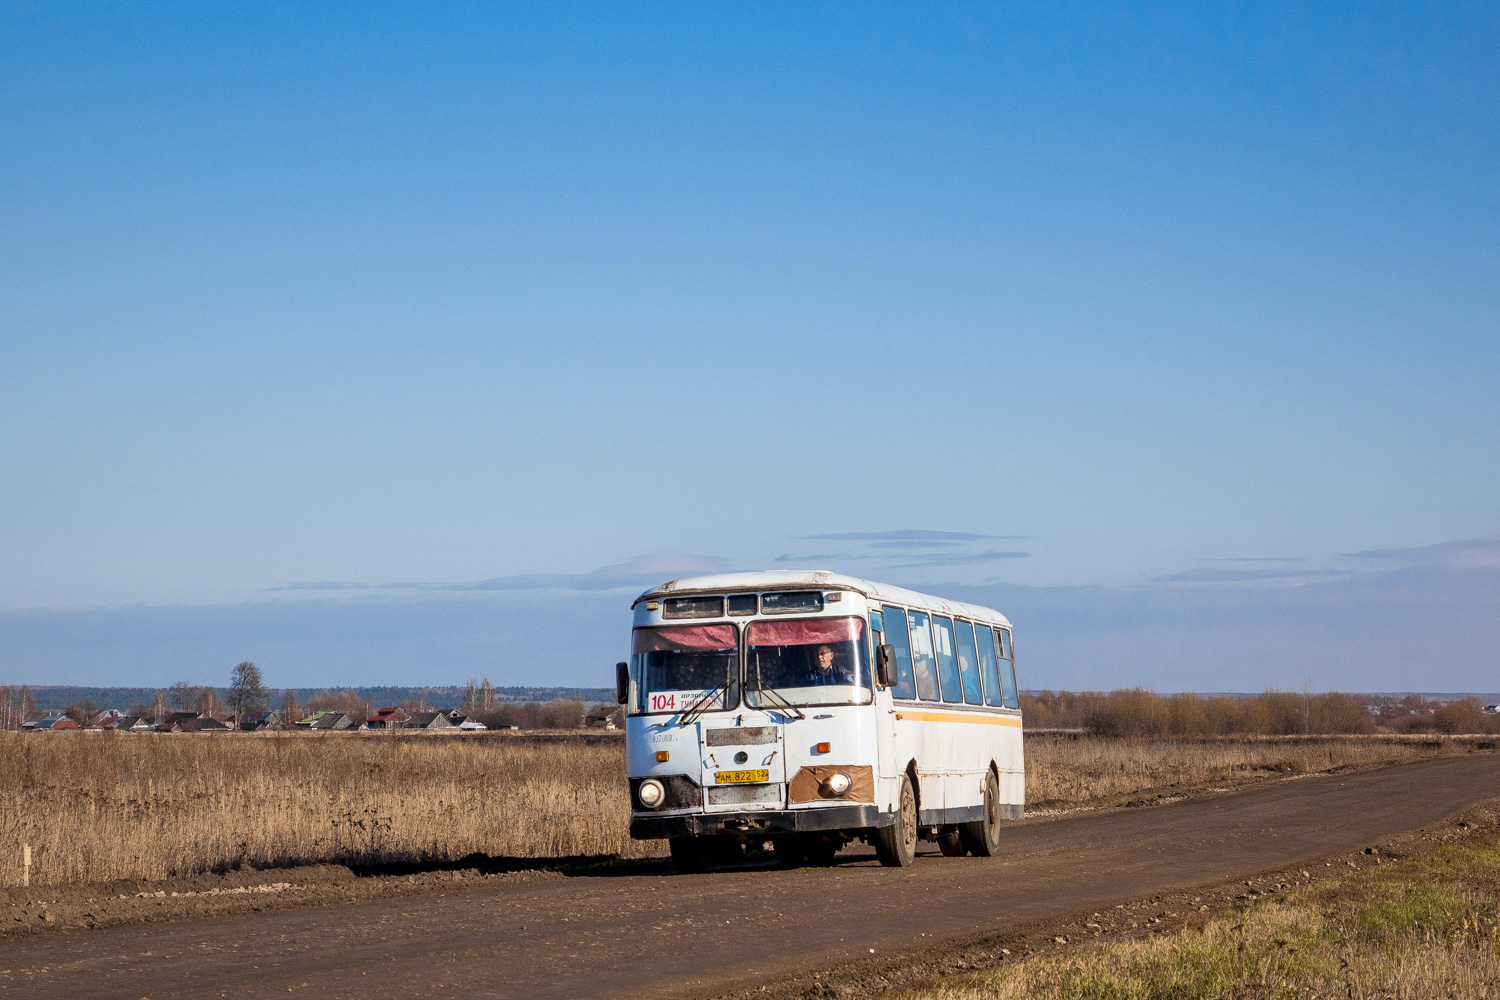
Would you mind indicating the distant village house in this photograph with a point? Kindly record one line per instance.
(191, 722)
(261, 722)
(327, 719)
(393, 717)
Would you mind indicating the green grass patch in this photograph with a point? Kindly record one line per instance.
(1424, 928)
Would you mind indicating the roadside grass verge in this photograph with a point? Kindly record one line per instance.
(1419, 929)
(105, 806)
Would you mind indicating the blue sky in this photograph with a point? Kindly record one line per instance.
(1147, 324)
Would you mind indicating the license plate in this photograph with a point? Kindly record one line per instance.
(740, 777)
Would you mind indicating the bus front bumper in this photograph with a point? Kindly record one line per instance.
(644, 826)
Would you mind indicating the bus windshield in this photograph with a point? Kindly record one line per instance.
(811, 661)
(685, 666)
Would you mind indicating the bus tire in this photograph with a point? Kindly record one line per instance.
(952, 842)
(983, 837)
(896, 845)
(691, 854)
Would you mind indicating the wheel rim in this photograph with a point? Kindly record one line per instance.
(908, 822)
(991, 811)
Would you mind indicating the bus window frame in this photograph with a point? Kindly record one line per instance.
(956, 697)
(864, 665)
(734, 694)
(889, 612)
(964, 627)
(1007, 666)
(984, 634)
(913, 631)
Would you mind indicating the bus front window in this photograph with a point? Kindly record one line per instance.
(681, 667)
(814, 661)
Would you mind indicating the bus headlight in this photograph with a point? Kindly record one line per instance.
(838, 783)
(651, 793)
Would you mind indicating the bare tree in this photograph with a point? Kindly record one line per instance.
(291, 708)
(209, 704)
(246, 690)
(160, 708)
(184, 695)
(81, 712)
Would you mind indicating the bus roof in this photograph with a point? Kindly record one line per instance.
(724, 583)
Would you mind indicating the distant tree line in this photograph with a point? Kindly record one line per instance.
(1138, 712)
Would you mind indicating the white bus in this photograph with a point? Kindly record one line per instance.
(811, 710)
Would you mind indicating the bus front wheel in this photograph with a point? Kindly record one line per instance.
(896, 845)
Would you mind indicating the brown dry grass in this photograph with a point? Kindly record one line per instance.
(1064, 770)
(106, 806)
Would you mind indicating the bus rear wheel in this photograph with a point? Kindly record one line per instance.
(896, 845)
(983, 837)
(952, 843)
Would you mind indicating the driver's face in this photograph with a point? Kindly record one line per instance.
(825, 658)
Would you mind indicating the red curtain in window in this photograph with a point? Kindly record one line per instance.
(650, 640)
(806, 632)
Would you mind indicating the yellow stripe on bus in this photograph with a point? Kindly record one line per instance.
(983, 720)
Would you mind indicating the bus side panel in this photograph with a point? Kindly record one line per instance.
(1012, 770)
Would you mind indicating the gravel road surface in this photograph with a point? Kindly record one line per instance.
(651, 933)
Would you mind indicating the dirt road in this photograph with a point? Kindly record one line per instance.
(646, 933)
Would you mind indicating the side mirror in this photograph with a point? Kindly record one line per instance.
(622, 682)
(885, 665)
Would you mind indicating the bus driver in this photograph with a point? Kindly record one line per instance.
(823, 672)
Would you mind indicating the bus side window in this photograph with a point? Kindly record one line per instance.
(921, 656)
(895, 634)
(968, 664)
(987, 667)
(1008, 670)
(942, 637)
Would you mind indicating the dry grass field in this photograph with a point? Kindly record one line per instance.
(96, 807)
(1066, 770)
(106, 806)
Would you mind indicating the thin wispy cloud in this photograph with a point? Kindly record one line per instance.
(1401, 620)
(909, 548)
(1253, 559)
(956, 559)
(642, 571)
(320, 585)
(1472, 553)
(912, 535)
(825, 557)
(1207, 575)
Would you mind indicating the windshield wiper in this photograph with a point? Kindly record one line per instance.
(703, 704)
(775, 696)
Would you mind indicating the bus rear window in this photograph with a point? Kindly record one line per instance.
(787, 602)
(693, 607)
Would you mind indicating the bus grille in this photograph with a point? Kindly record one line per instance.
(741, 736)
(744, 795)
